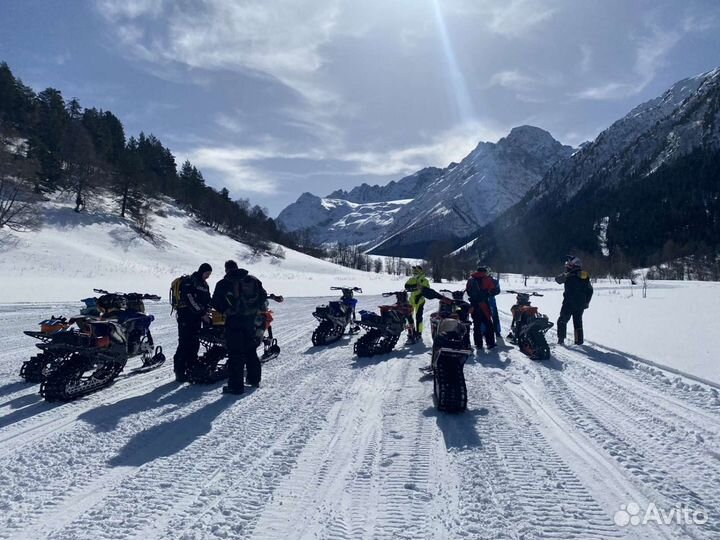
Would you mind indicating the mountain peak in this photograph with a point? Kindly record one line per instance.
(523, 135)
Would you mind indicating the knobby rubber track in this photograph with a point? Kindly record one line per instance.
(326, 333)
(449, 384)
(374, 343)
(208, 369)
(39, 366)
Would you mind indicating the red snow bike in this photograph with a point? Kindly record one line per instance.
(529, 327)
(384, 330)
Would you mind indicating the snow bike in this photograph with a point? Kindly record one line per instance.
(450, 329)
(37, 368)
(528, 327)
(93, 352)
(211, 366)
(455, 307)
(335, 317)
(384, 330)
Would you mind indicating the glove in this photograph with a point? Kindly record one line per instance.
(587, 306)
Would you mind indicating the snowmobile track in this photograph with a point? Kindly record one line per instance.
(335, 447)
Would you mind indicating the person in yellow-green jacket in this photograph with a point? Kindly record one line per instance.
(415, 286)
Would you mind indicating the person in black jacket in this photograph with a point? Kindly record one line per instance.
(240, 297)
(193, 306)
(576, 299)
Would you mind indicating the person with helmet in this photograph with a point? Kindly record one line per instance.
(415, 286)
(576, 298)
(193, 307)
(480, 288)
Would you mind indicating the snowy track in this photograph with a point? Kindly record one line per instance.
(332, 447)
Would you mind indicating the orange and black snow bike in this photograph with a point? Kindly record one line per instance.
(211, 366)
(384, 330)
(83, 354)
(529, 327)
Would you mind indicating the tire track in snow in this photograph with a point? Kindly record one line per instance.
(667, 468)
(517, 486)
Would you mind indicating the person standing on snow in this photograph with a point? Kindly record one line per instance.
(576, 299)
(240, 297)
(415, 286)
(192, 308)
(480, 288)
(494, 308)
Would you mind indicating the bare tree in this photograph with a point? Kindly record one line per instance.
(18, 203)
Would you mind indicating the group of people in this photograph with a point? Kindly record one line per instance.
(239, 297)
(482, 288)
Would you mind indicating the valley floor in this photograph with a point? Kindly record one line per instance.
(334, 447)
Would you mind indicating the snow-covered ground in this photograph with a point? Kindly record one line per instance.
(335, 447)
(75, 253)
(673, 326)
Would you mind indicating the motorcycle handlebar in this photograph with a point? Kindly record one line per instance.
(528, 293)
(276, 297)
(143, 296)
(354, 289)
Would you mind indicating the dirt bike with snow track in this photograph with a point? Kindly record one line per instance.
(384, 330)
(90, 353)
(211, 366)
(335, 317)
(529, 327)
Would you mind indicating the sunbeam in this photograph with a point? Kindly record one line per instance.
(457, 86)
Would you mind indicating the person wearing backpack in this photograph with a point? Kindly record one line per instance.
(480, 288)
(190, 296)
(240, 297)
(576, 299)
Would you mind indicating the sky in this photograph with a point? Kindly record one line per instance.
(272, 98)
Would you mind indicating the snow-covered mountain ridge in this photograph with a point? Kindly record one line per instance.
(651, 176)
(404, 218)
(492, 178)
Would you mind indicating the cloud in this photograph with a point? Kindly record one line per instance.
(650, 54)
(250, 168)
(512, 79)
(235, 167)
(586, 58)
(513, 18)
(281, 39)
(451, 145)
(230, 123)
(526, 87)
(130, 9)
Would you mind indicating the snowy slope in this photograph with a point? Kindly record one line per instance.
(335, 447)
(75, 253)
(685, 117)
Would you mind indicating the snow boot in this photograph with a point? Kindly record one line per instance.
(180, 378)
(579, 337)
(561, 332)
(233, 391)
